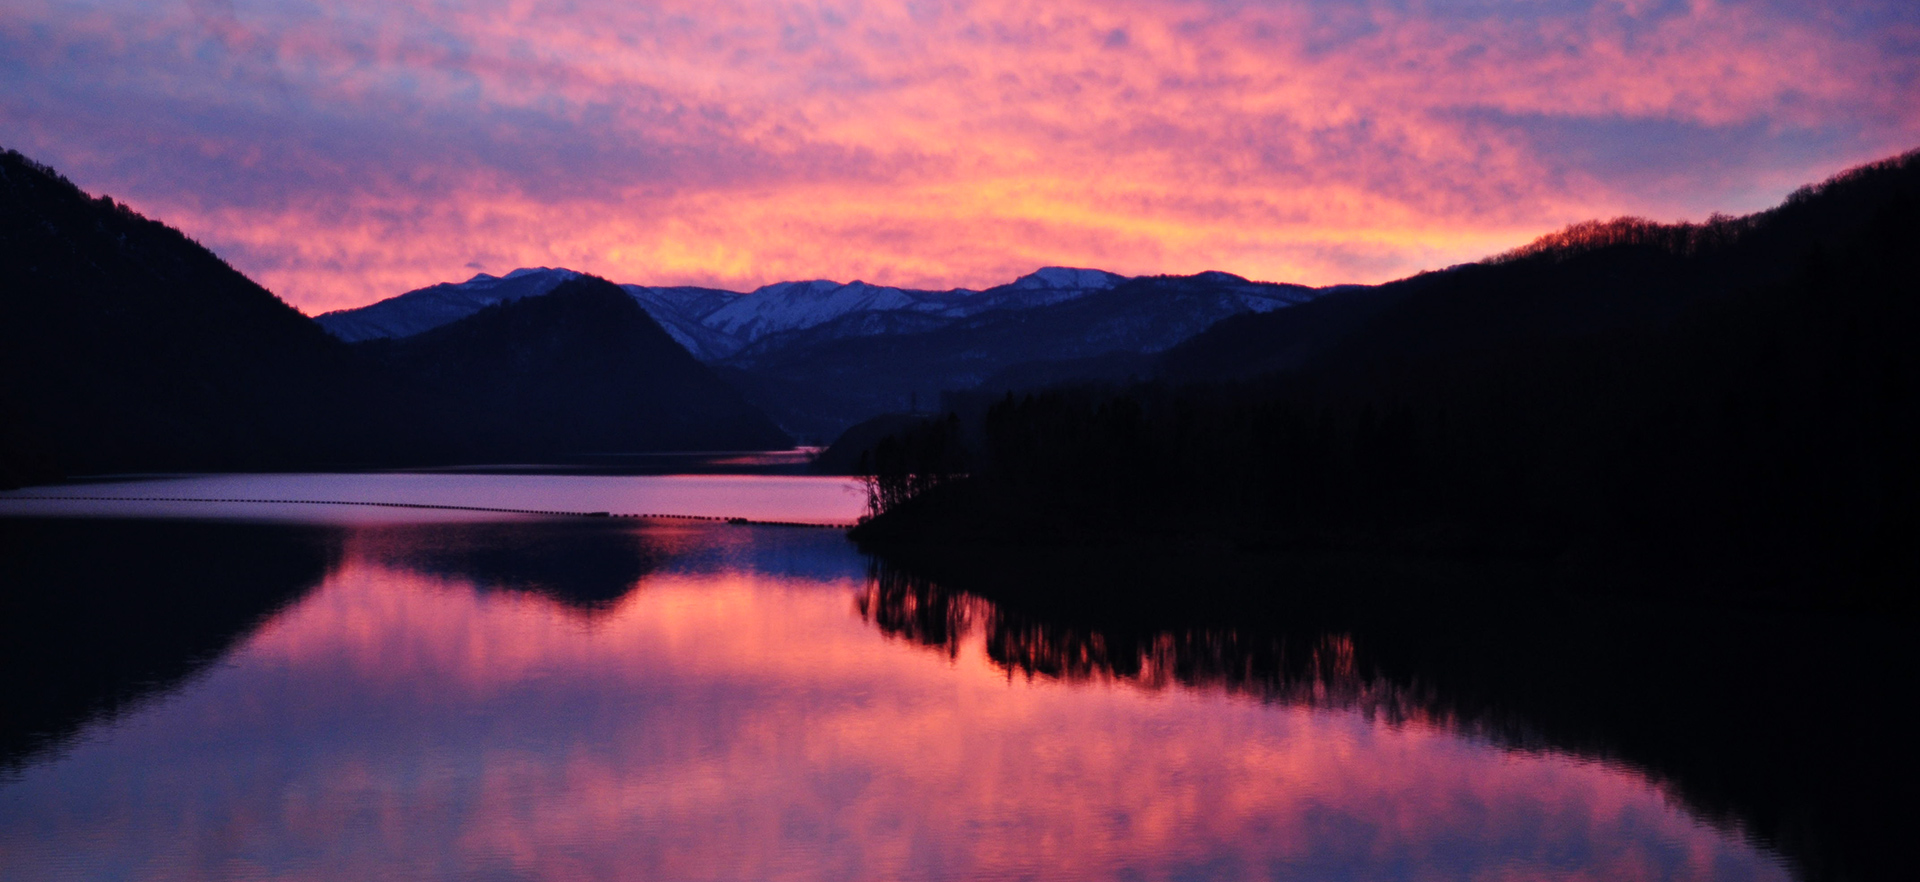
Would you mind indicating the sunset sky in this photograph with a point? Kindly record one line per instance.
(345, 151)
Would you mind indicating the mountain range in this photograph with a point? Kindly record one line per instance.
(124, 345)
(713, 323)
(819, 356)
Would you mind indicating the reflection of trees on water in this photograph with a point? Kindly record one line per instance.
(1308, 669)
(1696, 701)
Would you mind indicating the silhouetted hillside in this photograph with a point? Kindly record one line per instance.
(580, 370)
(1590, 279)
(1730, 404)
(125, 345)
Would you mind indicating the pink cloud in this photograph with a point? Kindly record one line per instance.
(343, 153)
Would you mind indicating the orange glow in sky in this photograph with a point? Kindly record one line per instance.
(341, 153)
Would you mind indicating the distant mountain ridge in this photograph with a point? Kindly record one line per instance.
(818, 384)
(821, 355)
(714, 323)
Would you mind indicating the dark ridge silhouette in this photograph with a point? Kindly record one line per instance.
(580, 370)
(1727, 410)
(586, 567)
(99, 614)
(1772, 723)
(1626, 275)
(124, 345)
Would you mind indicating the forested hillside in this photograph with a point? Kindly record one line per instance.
(126, 346)
(1730, 403)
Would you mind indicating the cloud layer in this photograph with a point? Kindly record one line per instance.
(346, 151)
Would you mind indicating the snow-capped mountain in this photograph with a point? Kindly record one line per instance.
(1056, 283)
(816, 381)
(1042, 287)
(787, 306)
(819, 355)
(427, 308)
(715, 324)
(680, 309)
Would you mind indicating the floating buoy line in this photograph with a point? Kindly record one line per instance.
(525, 511)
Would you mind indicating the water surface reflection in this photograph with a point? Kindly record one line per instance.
(687, 701)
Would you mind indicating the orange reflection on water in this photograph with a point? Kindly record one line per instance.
(737, 715)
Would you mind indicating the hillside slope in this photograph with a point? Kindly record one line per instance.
(1593, 278)
(125, 345)
(582, 369)
(1725, 406)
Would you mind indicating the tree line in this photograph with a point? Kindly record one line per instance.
(1764, 437)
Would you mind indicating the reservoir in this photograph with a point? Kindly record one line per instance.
(229, 690)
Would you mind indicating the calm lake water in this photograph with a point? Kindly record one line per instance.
(419, 694)
(802, 498)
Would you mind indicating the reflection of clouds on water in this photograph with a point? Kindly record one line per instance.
(734, 721)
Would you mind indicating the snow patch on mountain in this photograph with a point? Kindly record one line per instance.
(1068, 277)
(679, 311)
(427, 308)
(787, 306)
(1042, 287)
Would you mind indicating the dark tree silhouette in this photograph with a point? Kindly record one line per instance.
(1729, 405)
